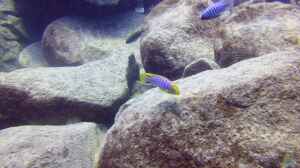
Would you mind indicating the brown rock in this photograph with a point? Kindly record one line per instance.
(246, 115)
(175, 36)
(257, 29)
(198, 66)
(62, 42)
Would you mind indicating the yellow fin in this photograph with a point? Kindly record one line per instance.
(175, 89)
(144, 76)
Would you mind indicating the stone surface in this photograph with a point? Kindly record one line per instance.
(174, 37)
(246, 115)
(257, 29)
(91, 92)
(13, 35)
(62, 42)
(198, 66)
(75, 146)
(74, 41)
(32, 56)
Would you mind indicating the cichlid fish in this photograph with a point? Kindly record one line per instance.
(159, 81)
(215, 10)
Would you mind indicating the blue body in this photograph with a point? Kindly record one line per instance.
(160, 82)
(214, 10)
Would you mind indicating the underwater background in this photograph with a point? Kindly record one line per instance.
(149, 84)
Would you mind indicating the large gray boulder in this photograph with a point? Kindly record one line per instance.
(246, 115)
(74, 41)
(257, 29)
(63, 43)
(75, 146)
(92, 92)
(175, 36)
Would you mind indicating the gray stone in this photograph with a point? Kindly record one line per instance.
(13, 35)
(257, 29)
(198, 66)
(32, 56)
(62, 42)
(92, 92)
(75, 146)
(246, 115)
(74, 41)
(174, 37)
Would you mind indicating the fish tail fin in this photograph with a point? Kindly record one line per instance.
(176, 89)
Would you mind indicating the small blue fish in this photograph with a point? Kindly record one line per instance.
(159, 81)
(214, 10)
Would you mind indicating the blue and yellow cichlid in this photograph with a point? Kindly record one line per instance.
(159, 81)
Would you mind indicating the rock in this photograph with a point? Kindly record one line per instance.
(257, 29)
(13, 35)
(246, 115)
(74, 41)
(91, 92)
(175, 36)
(75, 146)
(62, 42)
(32, 56)
(9, 66)
(198, 66)
(139, 89)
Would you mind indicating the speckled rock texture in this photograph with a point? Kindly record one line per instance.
(62, 42)
(257, 29)
(13, 35)
(69, 146)
(198, 66)
(91, 92)
(246, 116)
(175, 36)
(74, 41)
